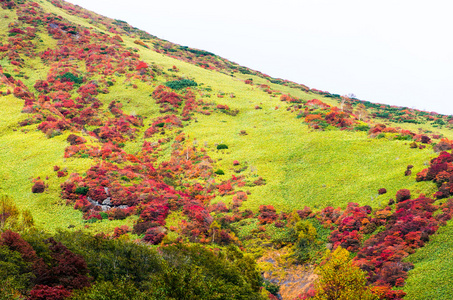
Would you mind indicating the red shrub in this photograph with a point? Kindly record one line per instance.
(38, 187)
(62, 173)
(267, 214)
(42, 86)
(154, 235)
(305, 212)
(239, 198)
(142, 227)
(44, 292)
(225, 188)
(425, 139)
(394, 272)
(406, 230)
(382, 191)
(119, 231)
(15, 242)
(218, 207)
(443, 145)
(222, 106)
(350, 240)
(75, 140)
(353, 220)
(402, 195)
(279, 224)
(165, 96)
(225, 238)
(67, 269)
(155, 213)
(98, 194)
(117, 214)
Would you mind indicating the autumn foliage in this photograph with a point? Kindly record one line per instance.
(150, 169)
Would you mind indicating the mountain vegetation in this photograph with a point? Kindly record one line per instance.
(136, 168)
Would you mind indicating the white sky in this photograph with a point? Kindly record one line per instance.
(393, 52)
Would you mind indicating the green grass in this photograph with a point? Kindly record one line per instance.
(448, 133)
(302, 167)
(25, 156)
(135, 101)
(4, 22)
(432, 277)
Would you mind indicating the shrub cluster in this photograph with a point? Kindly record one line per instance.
(47, 267)
(440, 171)
(180, 84)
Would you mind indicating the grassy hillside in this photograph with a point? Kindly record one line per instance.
(301, 167)
(431, 277)
(92, 111)
(28, 154)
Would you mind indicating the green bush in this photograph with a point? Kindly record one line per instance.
(196, 273)
(15, 272)
(70, 77)
(271, 287)
(197, 52)
(439, 122)
(125, 270)
(323, 124)
(362, 128)
(383, 115)
(219, 172)
(180, 84)
(403, 137)
(125, 178)
(82, 190)
(119, 289)
(245, 70)
(222, 146)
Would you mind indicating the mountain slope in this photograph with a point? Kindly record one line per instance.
(170, 141)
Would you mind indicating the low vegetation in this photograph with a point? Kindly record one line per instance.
(164, 172)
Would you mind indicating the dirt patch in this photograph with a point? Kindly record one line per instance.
(280, 269)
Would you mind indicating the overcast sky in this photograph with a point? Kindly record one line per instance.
(393, 52)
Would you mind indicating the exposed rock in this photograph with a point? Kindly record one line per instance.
(105, 207)
(107, 202)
